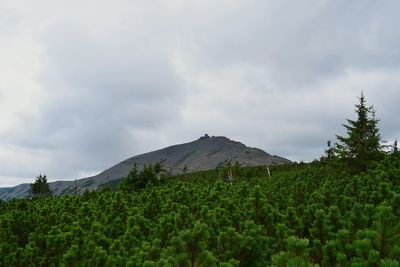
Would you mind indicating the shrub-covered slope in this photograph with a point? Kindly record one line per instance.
(303, 215)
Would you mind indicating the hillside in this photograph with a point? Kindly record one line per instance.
(203, 154)
(304, 215)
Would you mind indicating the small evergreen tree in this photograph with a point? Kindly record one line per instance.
(329, 150)
(362, 145)
(130, 182)
(40, 188)
(149, 175)
(185, 169)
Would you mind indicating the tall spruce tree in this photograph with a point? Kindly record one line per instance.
(362, 145)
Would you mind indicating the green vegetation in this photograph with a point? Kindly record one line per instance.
(149, 176)
(40, 188)
(341, 210)
(305, 214)
(362, 146)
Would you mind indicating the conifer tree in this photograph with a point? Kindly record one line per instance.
(40, 188)
(395, 147)
(185, 169)
(329, 150)
(362, 145)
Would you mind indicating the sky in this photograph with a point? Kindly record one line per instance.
(87, 84)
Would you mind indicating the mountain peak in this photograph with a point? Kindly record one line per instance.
(217, 139)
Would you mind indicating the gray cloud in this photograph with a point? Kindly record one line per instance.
(126, 78)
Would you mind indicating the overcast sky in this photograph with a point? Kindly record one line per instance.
(87, 84)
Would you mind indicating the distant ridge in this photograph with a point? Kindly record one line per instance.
(203, 154)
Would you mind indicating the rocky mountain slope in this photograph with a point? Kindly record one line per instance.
(202, 154)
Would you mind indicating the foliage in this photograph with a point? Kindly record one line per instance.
(362, 145)
(229, 172)
(395, 148)
(296, 255)
(305, 215)
(149, 175)
(40, 188)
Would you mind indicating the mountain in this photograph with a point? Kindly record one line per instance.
(202, 154)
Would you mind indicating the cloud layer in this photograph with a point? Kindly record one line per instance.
(86, 85)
